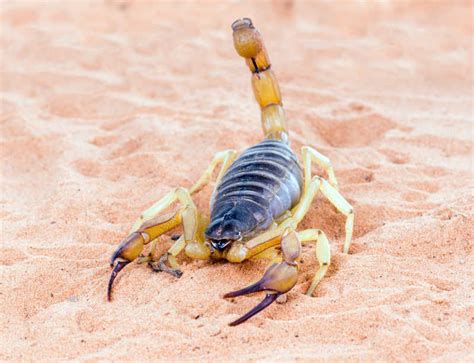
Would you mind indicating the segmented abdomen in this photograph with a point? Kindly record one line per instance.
(265, 178)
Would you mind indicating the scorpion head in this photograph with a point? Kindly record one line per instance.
(232, 226)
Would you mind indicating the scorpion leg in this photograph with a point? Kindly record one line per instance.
(309, 156)
(195, 249)
(226, 158)
(154, 226)
(342, 206)
(323, 254)
(278, 279)
(336, 199)
(169, 257)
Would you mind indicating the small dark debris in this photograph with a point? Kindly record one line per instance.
(175, 237)
(52, 222)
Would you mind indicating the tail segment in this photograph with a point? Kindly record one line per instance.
(249, 44)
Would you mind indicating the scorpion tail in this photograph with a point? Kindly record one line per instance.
(249, 44)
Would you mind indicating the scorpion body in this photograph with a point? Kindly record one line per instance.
(259, 200)
(263, 183)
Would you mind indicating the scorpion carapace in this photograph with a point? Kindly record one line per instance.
(259, 200)
(262, 184)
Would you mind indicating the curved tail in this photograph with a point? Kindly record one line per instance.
(249, 44)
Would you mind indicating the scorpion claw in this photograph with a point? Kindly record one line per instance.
(128, 250)
(277, 280)
(118, 267)
(269, 299)
(256, 287)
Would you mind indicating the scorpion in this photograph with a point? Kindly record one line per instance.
(259, 199)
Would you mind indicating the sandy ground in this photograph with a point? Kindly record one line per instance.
(106, 107)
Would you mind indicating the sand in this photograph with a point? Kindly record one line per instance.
(107, 106)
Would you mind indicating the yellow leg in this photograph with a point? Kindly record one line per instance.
(336, 199)
(194, 248)
(329, 190)
(226, 157)
(183, 195)
(299, 211)
(149, 214)
(323, 254)
(342, 206)
(169, 258)
(175, 250)
(311, 156)
(189, 217)
(151, 225)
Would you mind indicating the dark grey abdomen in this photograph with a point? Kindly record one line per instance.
(266, 179)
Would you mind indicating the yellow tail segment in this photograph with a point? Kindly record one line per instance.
(249, 44)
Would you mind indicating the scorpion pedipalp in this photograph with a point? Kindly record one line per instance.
(278, 279)
(132, 246)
